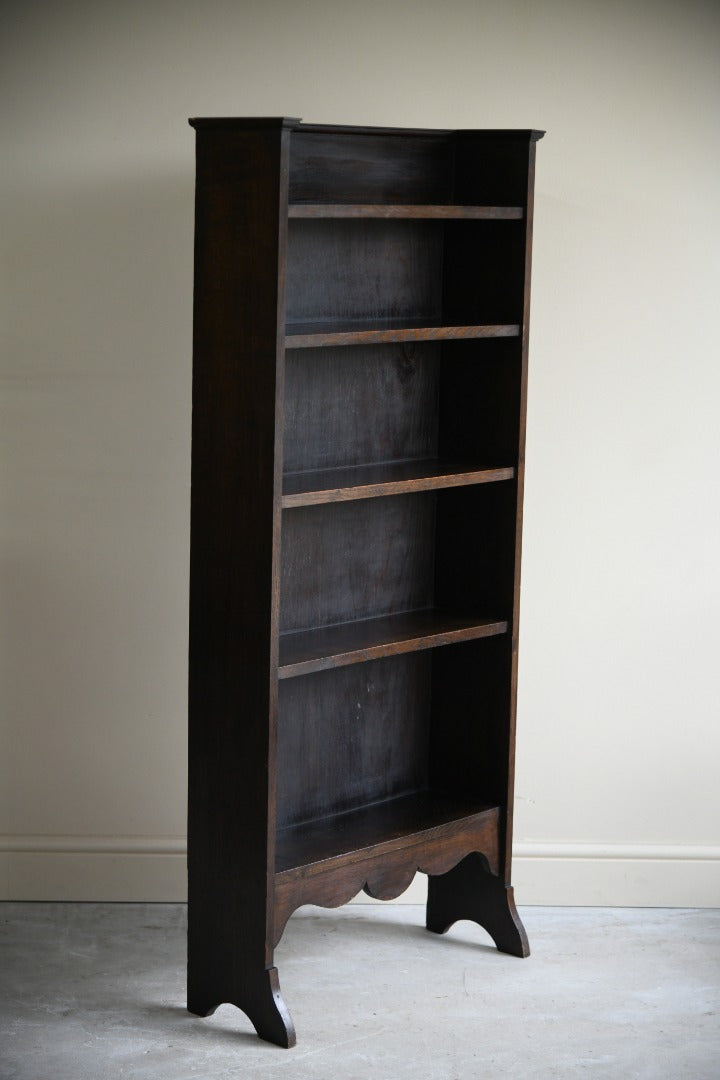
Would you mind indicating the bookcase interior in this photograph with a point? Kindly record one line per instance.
(424, 272)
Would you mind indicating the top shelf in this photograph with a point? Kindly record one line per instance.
(379, 210)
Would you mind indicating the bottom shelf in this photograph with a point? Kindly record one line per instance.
(379, 829)
(378, 848)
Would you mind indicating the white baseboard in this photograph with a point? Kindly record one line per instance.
(617, 875)
(149, 869)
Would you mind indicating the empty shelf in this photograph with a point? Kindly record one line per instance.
(305, 335)
(379, 210)
(391, 478)
(381, 828)
(305, 651)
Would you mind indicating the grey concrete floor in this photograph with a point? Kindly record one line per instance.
(89, 991)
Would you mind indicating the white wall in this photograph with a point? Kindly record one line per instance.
(618, 797)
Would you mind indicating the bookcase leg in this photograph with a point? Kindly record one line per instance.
(470, 891)
(262, 1001)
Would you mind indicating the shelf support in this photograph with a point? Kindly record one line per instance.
(470, 891)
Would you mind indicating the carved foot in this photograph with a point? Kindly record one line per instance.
(470, 891)
(262, 1001)
(200, 1006)
(269, 1013)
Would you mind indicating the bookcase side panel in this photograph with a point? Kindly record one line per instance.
(482, 411)
(522, 414)
(241, 195)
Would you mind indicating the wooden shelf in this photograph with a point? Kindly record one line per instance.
(379, 210)
(305, 651)
(390, 478)
(308, 335)
(379, 829)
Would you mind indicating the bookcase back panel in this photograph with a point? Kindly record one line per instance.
(360, 269)
(370, 168)
(357, 405)
(451, 272)
(356, 560)
(352, 736)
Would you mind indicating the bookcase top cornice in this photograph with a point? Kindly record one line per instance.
(295, 124)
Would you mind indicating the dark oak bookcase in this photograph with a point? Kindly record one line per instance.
(359, 380)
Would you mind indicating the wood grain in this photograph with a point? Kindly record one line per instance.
(380, 829)
(379, 849)
(360, 166)
(363, 332)
(354, 560)
(390, 478)
(344, 270)
(352, 736)
(374, 403)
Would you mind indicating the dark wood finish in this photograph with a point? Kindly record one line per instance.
(355, 533)
(370, 639)
(340, 563)
(407, 210)
(361, 271)
(241, 200)
(380, 829)
(390, 478)
(474, 420)
(482, 275)
(526, 169)
(378, 849)
(356, 166)
(468, 725)
(472, 890)
(261, 1000)
(489, 135)
(361, 733)
(302, 127)
(332, 418)
(314, 334)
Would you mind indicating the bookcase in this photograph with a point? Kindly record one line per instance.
(359, 380)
